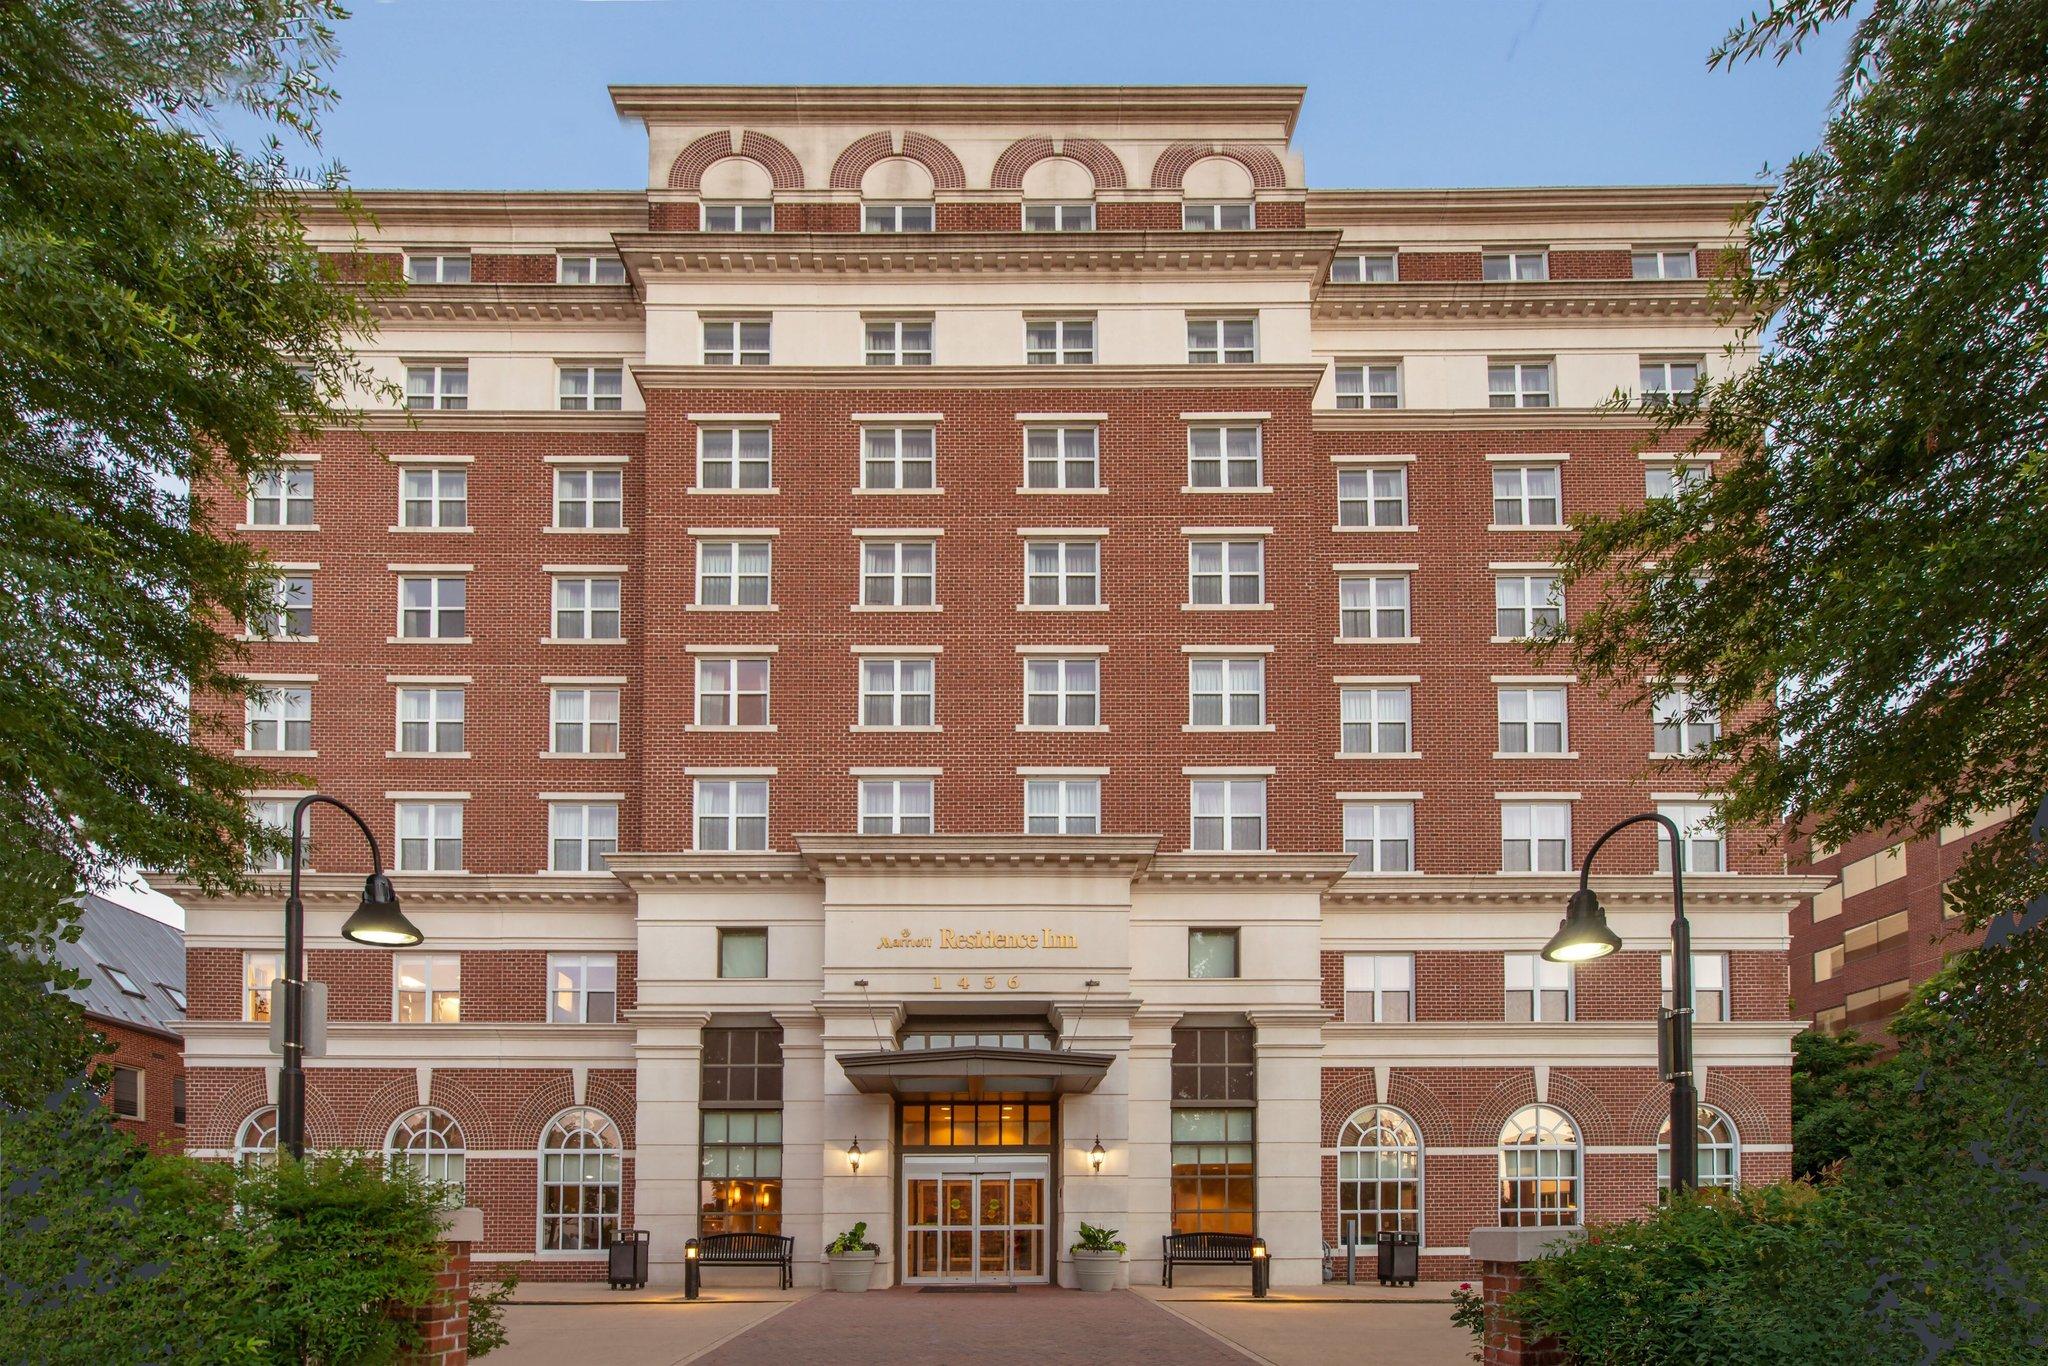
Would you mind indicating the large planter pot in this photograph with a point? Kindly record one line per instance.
(849, 1271)
(1096, 1270)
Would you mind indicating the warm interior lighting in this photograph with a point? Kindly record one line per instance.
(853, 1155)
(1095, 1155)
(1583, 934)
(377, 920)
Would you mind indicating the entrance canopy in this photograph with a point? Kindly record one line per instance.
(922, 1072)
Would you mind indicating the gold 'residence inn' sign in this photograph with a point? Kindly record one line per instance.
(981, 940)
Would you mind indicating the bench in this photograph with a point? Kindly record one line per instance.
(741, 1249)
(1213, 1249)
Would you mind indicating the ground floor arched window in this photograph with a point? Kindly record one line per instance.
(1720, 1151)
(581, 1176)
(256, 1140)
(1379, 1174)
(430, 1142)
(1539, 1168)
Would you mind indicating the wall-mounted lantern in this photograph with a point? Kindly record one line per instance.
(1095, 1155)
(853, 1155)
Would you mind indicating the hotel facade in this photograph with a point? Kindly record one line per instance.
(961, 660)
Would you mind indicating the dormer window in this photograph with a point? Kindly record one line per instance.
(122, 980)
(437, 268)
(1059, 218)
(1231, 216)
(896, 218)
(739, 218)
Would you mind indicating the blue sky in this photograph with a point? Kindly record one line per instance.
(510, 94)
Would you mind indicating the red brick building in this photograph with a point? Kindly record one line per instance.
(961, 659)
(134, 998)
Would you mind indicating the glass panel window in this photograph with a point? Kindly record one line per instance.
(897, 457)
(599, 388)
(260, 972)
(1061, 458)
(178, 1099)
(741, 1180)
(1229, 573)
(581, 836)
(279, 721)
(429, 837)
(1673, 480)
(1514, 265)
(739, 217)
(1212, 1171)
(430, 1142)
(1227, 692)
(585, 720)
(1369, 385)
(1380, 836)
(1379, 988)
(1539, 1168)
(897, 573)
(735, 457)
(1373, 607)
(433, 608)
(734, 573)
(1224, 341)
(1526, 495)
(1376, 721)
(127, 1093)
(742, 1065)
(899, 341)
(1059, 218)
(1062, 573)
(1703, 846)
(1373, 497)
(590, 500)
(1224, 457)
(1062, 692)
(582, 268)
(256, 1140)
(732, 814)
(736, 341)
(437, 386)
(437, 268)
(282, 497)
(1537, 989)
(427, 988)
(1667, 380)
(581, 1182)
(275, 817)
(743, 953)
(896, 692)
(1720, 1152)
(1213, 1063)
(1212, 954)
(430, 720)
(1367, 268)
(896, 806)
(586, 609)
(732, 692)
(1518, 384)
(1228, 814)
(1535, 837)
(583, 988)
(1664, 263)
(1527, 606)
(1379, 1176)
(1709, 985)
(1062, 806)
(1532, 720)
(1059, 341)
(896, 218)
(433, 496)
(1234, 216)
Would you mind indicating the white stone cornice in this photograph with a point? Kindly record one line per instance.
(1549, 891)
(1303, 870)
(650, 872)
(1184, 109)
(932, 378)
(1711, 206)
(1124, 854)
(1290, 252)
(466, 304)
(396, 209)
(1495, 1043)
(338, 891)
(500, 420)
(1565, 300)
(229, 1043)
(1480, 419)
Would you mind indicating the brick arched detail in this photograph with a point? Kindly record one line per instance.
(1414, 1098)
(550, 1094)
(1264, 166)
(324, 1128)
(938, 158)
(860, 154)
(448, 1091)
(1588, 1111)
(613, 1093)
(1649, 1115)
(926, 150)
(382, 1107)
(686, 172)
(784, 170)
(230, 1111)
(1490, 1114)
(1343, 1092)
(1735, 1100)
(1021, 155)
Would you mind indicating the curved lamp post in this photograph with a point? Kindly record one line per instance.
(377, 921)
(1583, 936)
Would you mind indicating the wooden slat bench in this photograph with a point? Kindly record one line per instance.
(1206, 1249)
(748, 1249)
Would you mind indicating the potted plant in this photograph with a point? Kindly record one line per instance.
(1096, 1256)
(850, 1259)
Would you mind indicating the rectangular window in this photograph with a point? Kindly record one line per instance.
(433, 608)
(1062, 573)
(1663, 263)
(1235, 216)
(1527, 606)
(1673, 480)
(599, 388)
(1827, 963)
(1223, 341)
(741, 1182)
(1369, 385)
(1709, 985)
(437, 268)
(736, 341)
(732, 814)
(1518, 384)
(899, 341)
(1537, 989)
(732, 692)
(1224, 573)
(272, 815)
(585, 268)
(427, 988)
(1373, 607)
(1059, 341)
(430, 837)
(896, 806)
(1535, 837)
(1532, 720)
(1214, 1063)
(1376, 721)
(282, 497)
(1373, 497)
(1212, 954)
(1366, 268)
(279, 721)
(1062, 692)
(896, 218)
(1212, 1171)
(1527, 495)
(1681, 723)
(430, 720)
(1665, 380)
(1514, 265)
(753, 217)
(433, 496)
(898, 457)
(734, 574)
(1862, 941)
(896, 573)
(1380, 836)
(735, 457)
(742, 1066)
(177, 1100)
(896, 692)
(585, 721)
(1059, 218)
(260, 972)
(1227, 692)
(1703, 846)
(128, 1093)
(743, 953)
(1061, 458)
(1379, 988)
(590, 500)
(437, 386)
(583, 988)
(1062, 806)
(586, 609)
(581, 836)
(1227, 814)
(1224, 457)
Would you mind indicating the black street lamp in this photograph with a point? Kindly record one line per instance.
(1583, 936)
(377, 921)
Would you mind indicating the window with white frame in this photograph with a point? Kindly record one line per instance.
(1539, 1168)
(1062, 806)
(898, 457)
(734, 574)
(1369, 384)
(439, 385)
(1213, 954)
(292, 617)
(1720, 1151)
(437, 268)
(584, 720)
(1227, 691)
(1061, 458)
(274, 816)
(282, 497)
(1537, 989)
(1672, 479)
(1514, 265)
(426, 988)
(279, 720)
(1062, 692)
(581, 1183)
(1223, 341)
(1666, 380)
(1532, 720)
(1379, 988)
(1376, 720)
(256, 1140)
(1227, 814)
(127, 1093)
(1059, 341)
(1535, 837)
(1527, 495)
(1373, 497)
(589, 268)
(732, 692)
(1380, 836)
(1527, 606)
(732, 814)
(260, 972)
(1663, 263)
(429, 1141)
(736, 341)
(590, 500)
(586, 608)
(433, 608)
(1709, 985)
(429, 837)
(738, 217)
(591, 388)
(1681, 723)
(1062, 573)
(1379, 1176)
(895, 806)
(1518, 384)
(896, 692)
(1366, 268)
(899, 341)
(735, 457)
(430, 720)
(896, 573)
(1703, 846)
(1372, 607)
(1224, 457)
(581, 836)
(1229, 216)
(583, 988)
(1226, 573)
(1059, 218)
(896, 218)
(433, 496)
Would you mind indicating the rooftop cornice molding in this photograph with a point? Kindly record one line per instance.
(1291, 252)
(645, 872)
(1622, 205)
(1014, 853)
(330, 891)
(1174, 107)
(1557, 299)
(462, 304)
(492, 420)
(940, 377)
(1294, 870)
(1550, 891)
(1479, 419)
(470, 208)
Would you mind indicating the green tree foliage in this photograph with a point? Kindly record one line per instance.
(1833, 1077)
(157, 300)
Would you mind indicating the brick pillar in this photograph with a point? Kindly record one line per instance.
(1501, 1254)
(444, 1323)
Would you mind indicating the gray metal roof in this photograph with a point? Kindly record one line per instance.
(149, 953)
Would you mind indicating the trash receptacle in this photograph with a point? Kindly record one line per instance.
(1400, 1256)
(628, 1253)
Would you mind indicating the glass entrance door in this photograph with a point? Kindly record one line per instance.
(984, 1225)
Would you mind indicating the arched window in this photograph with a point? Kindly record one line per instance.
(430, 1142)
(579, 1182)
(256, 1140)
(1720, 1151)
(1379, 1174)
(1539, 1168)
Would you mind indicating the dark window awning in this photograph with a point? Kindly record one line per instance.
(920, 1072)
